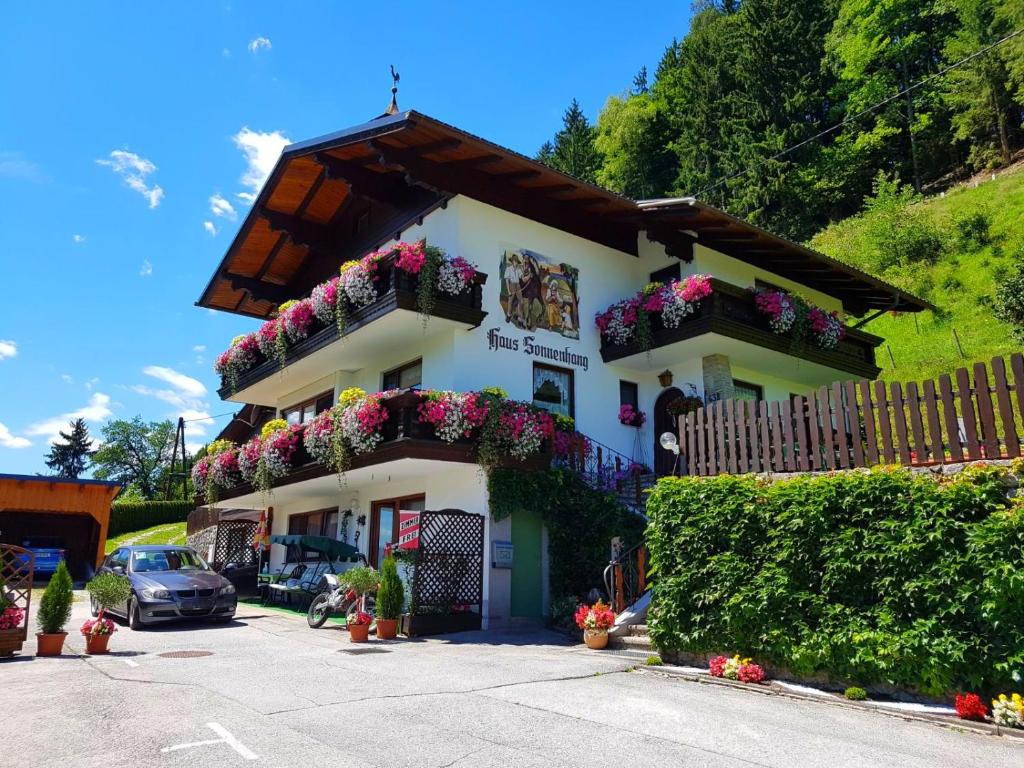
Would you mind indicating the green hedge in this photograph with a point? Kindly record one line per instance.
(138, 515)
(871, 577)
(581, 522)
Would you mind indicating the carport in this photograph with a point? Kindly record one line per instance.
(77, 511)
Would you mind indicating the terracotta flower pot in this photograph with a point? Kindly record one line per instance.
(596, 638)
(95, 644)
(387, 629)
(359, 633)
(50, 645)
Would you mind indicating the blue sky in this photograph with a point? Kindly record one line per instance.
(132, 135)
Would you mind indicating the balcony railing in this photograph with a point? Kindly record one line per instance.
(730, 311)
(396, 289)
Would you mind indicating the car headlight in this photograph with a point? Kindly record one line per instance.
(228, 589)
(154, 593)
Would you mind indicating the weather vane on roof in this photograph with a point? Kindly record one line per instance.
(393, 108)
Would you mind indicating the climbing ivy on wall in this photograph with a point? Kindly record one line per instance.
(580, 521)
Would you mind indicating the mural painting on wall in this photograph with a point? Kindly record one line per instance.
(537, 293)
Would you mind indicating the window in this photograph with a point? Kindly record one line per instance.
(307, 409)
(323, 522)
(744, 390)
(408, 376)
(667, 275)
(553, 389)
(629, 394)
(384, 522)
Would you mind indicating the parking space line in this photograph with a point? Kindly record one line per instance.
(225, 738)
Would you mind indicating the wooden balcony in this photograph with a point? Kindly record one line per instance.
(730, 311)
(405, 438)
(391, 317)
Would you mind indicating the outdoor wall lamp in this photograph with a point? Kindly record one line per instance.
(665, 378)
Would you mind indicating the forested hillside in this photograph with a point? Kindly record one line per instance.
(869, 128)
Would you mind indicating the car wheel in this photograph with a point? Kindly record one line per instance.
(94, 608)
(134, 615)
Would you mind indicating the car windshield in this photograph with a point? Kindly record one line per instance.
(147, 560)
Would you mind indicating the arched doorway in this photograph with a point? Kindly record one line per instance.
(664, 461)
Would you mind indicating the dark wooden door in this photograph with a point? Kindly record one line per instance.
(664, 461)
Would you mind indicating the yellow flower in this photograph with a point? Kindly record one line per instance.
(286, 306)
(348, 265)
(272, 426)
(350, 396)
(218, 447)
(237, 340)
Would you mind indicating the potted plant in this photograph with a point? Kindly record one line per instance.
(363, 581)
(11, 619)
(106, 590)
(359, 626)
(54, 612)
(595, 621)
(390, 597)
(631, 417)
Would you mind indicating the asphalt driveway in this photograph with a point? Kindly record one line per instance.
(273, 692)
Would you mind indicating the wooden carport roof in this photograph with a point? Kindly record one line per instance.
(340, 196)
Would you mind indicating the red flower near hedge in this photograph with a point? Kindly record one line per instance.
(750, 673)
(717, 666)
(969, 706)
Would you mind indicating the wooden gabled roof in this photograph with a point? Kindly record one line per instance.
(340, 196)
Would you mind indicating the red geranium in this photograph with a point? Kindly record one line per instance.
(717, 666)
(969, 706)
(360, 618)
(597, 617)
(750, 673)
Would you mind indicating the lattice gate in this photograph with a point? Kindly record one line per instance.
(234, 543)
(448, 578)
(16, 569)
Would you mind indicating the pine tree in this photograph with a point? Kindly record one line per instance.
(71, 457)
(573, 150)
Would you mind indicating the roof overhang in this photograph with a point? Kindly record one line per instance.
(339, 196)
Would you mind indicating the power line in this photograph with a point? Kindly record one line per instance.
(863, 112)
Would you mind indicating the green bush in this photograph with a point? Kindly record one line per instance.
(363, 579)
(973, 229)
(853, 693)
(653, 661)
(109, 590)
(137, 515)
(391, 592)
(1009, 302)
(55, 605)
(580, 521)
(881, 576)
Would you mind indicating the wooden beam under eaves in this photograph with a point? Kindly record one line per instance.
(258, 290)
(299, 231)
(381, 187)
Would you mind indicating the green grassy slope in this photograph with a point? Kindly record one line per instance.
(165, 533)
(961, 282)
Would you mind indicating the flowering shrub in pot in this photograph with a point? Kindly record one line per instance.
(595, 621)
(217, 470)
(54, 612)
(105, 591)
(359, 626)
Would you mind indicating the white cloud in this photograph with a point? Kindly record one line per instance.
(98, 409)
(8, 348)
(7, 440)
(226, 53)
(92, 382)
(179, 381)
(146, 269)
(185, 394)
(259, 43)
(199, 348)
(14, 165)
(261, 151)
(67, 377)
(210, 228)
(134, 170)
(78, 239)
(221, 207)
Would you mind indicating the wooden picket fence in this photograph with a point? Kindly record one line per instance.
(864, 423)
